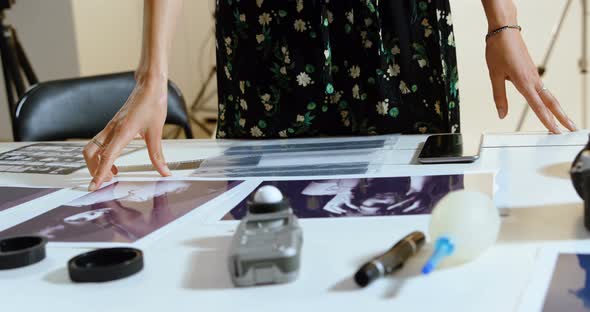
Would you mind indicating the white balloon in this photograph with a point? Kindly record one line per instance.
(469, 219)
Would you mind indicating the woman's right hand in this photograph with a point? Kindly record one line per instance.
(508, 59)
(143, 114)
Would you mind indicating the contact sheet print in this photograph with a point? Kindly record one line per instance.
(48, 158)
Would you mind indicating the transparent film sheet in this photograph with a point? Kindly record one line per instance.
(282, 152)
(311, 145)
(339, 157)
(212, 162)
(290, 171)
(274, 161)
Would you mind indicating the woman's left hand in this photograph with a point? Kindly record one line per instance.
(508, 59)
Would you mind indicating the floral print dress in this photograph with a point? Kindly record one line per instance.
(296, 68)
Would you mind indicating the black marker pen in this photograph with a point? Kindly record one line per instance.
(390, 261)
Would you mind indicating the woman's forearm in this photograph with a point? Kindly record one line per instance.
(499, 13)
(159, 23)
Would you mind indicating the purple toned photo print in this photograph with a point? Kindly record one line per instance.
(361, 197)
(11, 196)
(122, 212)
(570, 285)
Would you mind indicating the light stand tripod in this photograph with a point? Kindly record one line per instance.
(582, 64)
(200, 100)
(14, 61)
(206, 117)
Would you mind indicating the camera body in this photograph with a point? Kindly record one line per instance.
(580, 174)
(266, 247)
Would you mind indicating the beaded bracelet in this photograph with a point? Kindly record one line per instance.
(495, 31)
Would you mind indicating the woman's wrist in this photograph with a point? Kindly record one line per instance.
(499, 30)
(499, 13)
(153, 83)
(151, 77)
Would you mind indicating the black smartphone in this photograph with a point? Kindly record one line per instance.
(450, 148)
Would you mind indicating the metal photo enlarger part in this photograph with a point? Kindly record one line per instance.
(206, 118)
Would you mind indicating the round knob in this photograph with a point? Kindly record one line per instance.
(268, 194)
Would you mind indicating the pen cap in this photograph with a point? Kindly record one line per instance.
(367, 274)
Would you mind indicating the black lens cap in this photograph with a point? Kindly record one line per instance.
(103, 265)
(20, 251)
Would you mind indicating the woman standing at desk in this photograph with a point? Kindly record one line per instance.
(295, 68)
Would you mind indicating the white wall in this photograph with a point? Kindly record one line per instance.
(107, 38)
(108, 34)
(46, 30)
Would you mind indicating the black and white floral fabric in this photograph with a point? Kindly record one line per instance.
(295, 68)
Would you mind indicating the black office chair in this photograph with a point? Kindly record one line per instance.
(81, 107)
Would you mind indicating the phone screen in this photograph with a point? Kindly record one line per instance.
(445, 148)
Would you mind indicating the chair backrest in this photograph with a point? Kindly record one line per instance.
(81, 107)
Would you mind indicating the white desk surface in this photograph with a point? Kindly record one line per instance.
(185, 267)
